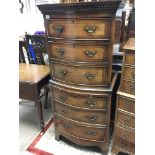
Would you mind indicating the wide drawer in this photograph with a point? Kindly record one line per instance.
(129, 58)
(126, 104)
(79, 28)
(127, 86)
(125, 134)
(79, 100)
(82, 75)
(81, 131)
(129, 73)
(125, 119)
(78, 52)
(86, 116)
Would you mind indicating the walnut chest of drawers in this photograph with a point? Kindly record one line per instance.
(124, 131)
(80, 46)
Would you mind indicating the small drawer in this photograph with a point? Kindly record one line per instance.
(81, 131)
(127, 86)
(129, 58)
(125, 134)
(93, 117)
(126, 104)
(79, 28)
(125, 119)
(129, 73)
(78, 52)
(82, 75)
(79, 100)
(124, 145)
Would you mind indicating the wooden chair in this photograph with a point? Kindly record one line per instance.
(36, 47)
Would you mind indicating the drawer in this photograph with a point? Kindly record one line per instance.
(130, 58)
(126, 104)
(116, 150)
(128, 86)
(124, 145)
(129, 73)
(79, 28)
(78, 52)
(79, 100)
(81, 131)
(82, 75)
(125, 119)
(125, 134)
(93, 117)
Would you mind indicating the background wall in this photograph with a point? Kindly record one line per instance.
(31, 20)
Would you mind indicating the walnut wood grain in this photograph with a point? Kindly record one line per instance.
(92, 52)
(80, 130)
(79, 28)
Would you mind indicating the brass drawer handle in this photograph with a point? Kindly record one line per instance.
(123, 135)
(90, 76)
(133, 75)
(90, 53)
(92, 118)
(63, 97)
(91, 103)
(123, 144)
(64, 111)
(58, 29)
(65, 126)
(92, 133)
(60, 51)
(63, 72)
(90, 29)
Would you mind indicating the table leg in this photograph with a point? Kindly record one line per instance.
(39, 109)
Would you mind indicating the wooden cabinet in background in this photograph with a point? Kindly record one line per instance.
(124, 130)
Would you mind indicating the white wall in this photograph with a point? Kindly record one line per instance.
(32, 20)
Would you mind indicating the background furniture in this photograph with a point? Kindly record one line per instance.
(80, 47)
(33, 48)
(32, 78)
(124, 132)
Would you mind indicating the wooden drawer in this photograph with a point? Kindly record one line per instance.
(125, 119)
(116, 150)
(125, 134)
(78, 52)
(81, 131)
(125, 145)
(126, 104)
(82, 75)
(79, 100)
(129, 73)
(94, 117)
(79, 28)
(129, 58)
(128, 86)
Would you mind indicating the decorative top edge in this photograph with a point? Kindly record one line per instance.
(104, 6)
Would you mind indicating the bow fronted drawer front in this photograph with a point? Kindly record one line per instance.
(80, 130)
(79, 52)
(79, 28)
(93, 117)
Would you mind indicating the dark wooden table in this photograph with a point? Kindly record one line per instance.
(32, 78)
